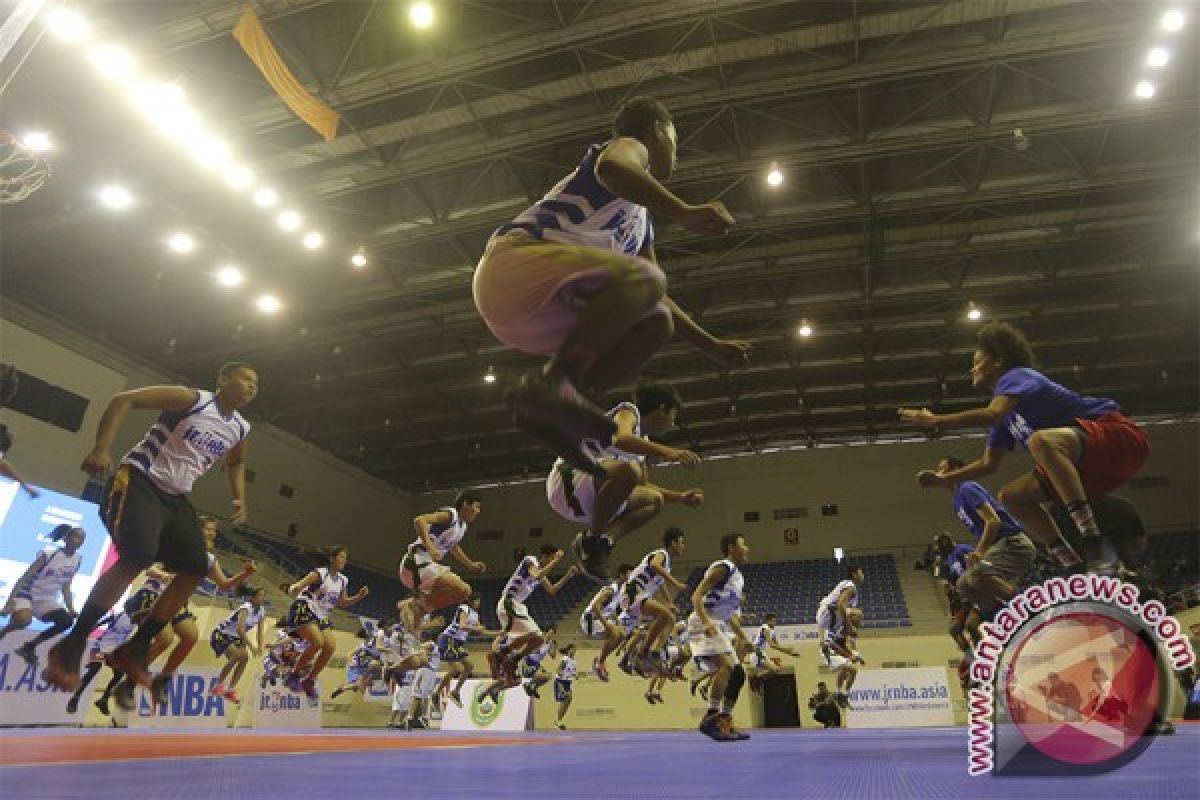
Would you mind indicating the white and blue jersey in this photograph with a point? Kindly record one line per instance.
(1041, 404)
(956, 561)
(451, 643)
(579, 210)
(969, 496)
(322, 597)
(828, 618)
(533, 661)
(182, 445)
(229, 626)
(445, 536)
(725, 599)
(57, 570)
(644, 581)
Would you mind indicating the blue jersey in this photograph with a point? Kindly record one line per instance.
(968, 497)
(956, 562)
(1041, 404)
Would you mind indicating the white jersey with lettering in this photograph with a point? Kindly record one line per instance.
(183, 445)
(580, 210)
(445, 536)
(55, 574)
(567, 669)
(644, 581)
(229, 626)
(762, 640)
(465, 618)
(322, 597)
(522, 583)
(832, 597)
(725, 599)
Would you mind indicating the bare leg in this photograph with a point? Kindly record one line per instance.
(643, 505)
(624, 360)
(188, 634)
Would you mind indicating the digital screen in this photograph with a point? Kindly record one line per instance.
(25, 526)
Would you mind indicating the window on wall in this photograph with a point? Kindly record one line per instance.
(493, 535)
(795, 512)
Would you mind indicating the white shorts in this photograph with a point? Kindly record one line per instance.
(40, 606)
(113, 637)
(402, 697)
(592, 626)
(518, 622)
(836, 661)
(429, 572)
(425, 680)
(571, 493)
(704, 645)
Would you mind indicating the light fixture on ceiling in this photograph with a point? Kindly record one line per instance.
(313, 240)
(229, 276)
(421, 15)
(1172, 21)
(111, 61)
(239, 177)
(490, 375)
(68, 25)
(268, 303)
(116, 198)
(181, 243)
(775, 176)
(265, 197)
(974, 312)
(805, 330)
(289, 220)
(359, 259)
(1157, 57)
(1144, 89)
(38, 141)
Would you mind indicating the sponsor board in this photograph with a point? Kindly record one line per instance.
(189, 703)
(25, 699)
(279, 707)
(787, 634)
(901, 698)
(513, 711)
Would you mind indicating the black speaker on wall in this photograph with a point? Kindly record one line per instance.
(49, 403)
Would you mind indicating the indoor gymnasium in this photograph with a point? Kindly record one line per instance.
(599, 398)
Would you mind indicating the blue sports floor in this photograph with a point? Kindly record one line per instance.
(922, 763)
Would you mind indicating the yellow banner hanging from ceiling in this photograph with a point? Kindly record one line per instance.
(253, 38)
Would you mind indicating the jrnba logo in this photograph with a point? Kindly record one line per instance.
(279, 701)
(187, 696)
(483, 711)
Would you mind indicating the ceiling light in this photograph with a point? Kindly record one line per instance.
(230, 276)
(421, 15)
(974, 313)
(775, 176)
(312, 240)
(37, 141)
(490, 375)
(805, 330)
(1157, 57)
(1144, 90)
(68, 25)
(268, 303)
(210, 151)
(358, 260)
(111, 61)
(181, 243)
(117, 198)
(1172, 21)
(289, 220)
(239, 177)
(265, 197)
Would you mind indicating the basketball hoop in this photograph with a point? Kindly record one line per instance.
(22, 171)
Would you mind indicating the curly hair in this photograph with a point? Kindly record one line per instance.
(1006, 344)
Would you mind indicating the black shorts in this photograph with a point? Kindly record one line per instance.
(299, 615)
(562, 690)
(149, 525)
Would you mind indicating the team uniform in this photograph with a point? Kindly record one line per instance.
(762, 643)
(568, 671)
(643, 583)
(39, 593)
(571, 492)
(537, 271)
(416, 684)
(147, 510)
(832, 658)
(533, 662)
(315, 603)
(721, 602)
(120, 627)
(592, 623)
(1012, 553)
(828, 620)
(226, 635)
(452, 642)
(956, 561)
(510, 610)
(1116, 447)
(418, 570)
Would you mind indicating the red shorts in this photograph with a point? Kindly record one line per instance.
(1115, 451)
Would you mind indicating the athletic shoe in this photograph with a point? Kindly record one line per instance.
(561, 726)
(123, 694)
(309, 687)
(232, 696)
(649, 697)
(28, 652)
(102, 704)
(558, 415)
(130, 658)
(73, 704)
(711, 727)
(726, 723)
(418, 724)
(217, 691)
(600, 670)
(62, 662)
(532, 691)
(456, 699)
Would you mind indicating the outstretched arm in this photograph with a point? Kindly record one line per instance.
(151, 398)
(1000, 407)
(552, 588)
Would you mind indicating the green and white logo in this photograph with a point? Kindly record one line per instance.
(484, 712)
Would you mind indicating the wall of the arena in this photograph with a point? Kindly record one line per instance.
(873, 487)
(330, 500)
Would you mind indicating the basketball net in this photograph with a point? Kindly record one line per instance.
(22, 171)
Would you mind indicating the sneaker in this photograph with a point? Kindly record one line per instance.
(650, 698)
(62, 662)
(456, 699)
(28, 652)
(600, 670)
(232, 696)
(562, 726)
(102, 704)
(532, 691)
(73, 704)
(725, 721)
(561, 418)
(711, 727)
(418, 724)
(130, 658)
(123, 694)
(217, 691)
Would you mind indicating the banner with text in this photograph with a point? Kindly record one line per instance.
(189, 703)
(792, 634)
(24, 698)
(901, 698)
(279, 707)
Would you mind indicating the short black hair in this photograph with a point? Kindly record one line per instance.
(851, 569)
(772, 615)
(61, 532)
(566, 648)
(229, 367)
(671, 535)
(638, 116)
(1006, 344)
(465, 497)
(649, 397)
(954, 462)
(728, 542)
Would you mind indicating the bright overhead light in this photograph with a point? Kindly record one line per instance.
(313, 240)
(37, 141)
(289, 220)
(358, 260)
(1144, 90)
(239, 177)
(181, 243)
(117, 198)
(268, 303)
(974, 313)
(421, 15)
(775, 176)
(111, 61)
(230, 276)
(155, 98)
(805, 330)
(68, 25)
(1172, 21)
(490, 375)
(211, 152)
(1157, 57)
(265, 197)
